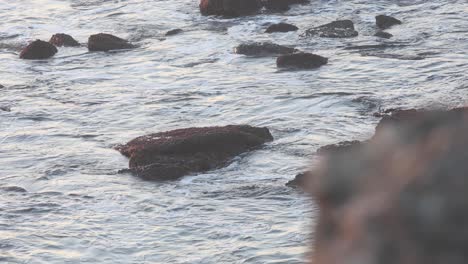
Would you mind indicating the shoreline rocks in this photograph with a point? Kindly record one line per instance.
(173, 32)
(385, 22)
(382, 34)
(301, 61)
(260, 49)
(63, 40)
(281, 27)
(173, 154)
(335, 29)
(38, 50)
(107, 42)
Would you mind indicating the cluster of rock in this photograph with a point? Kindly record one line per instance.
(38, 49)
(398, 197)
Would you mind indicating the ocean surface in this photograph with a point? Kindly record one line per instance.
(61, 198)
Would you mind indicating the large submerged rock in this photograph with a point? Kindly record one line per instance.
(107, 42)
(335, 29)
(38, 50)
(401, 198)
(174, 154)
(263, 49)
(63, 40)
(229, 8)
(301, 61)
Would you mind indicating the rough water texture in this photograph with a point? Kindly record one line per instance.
(68, 112)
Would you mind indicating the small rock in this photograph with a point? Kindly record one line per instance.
(300, 181)
(38, 50)
(281, 27)
(174, 32)
(335, 29)
(13, 189)
(5, 108)
(107, 42)
(301, 61)
(382, 34)
(174, 154)
(263, 49)
(63, 40)
(229, 8)
(384, 22)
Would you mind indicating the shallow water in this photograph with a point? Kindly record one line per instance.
(68, 112)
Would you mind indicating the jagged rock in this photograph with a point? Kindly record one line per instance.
(174, 32)
(382, 34)
(335, 29)
(229, 8)
(107, 42)
(301, 61)
(63, 40)
(384, 22)
(38, 50)
(263, 49)
(174, 154)
(281, 27)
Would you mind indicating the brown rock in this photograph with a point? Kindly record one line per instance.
(229, 8)
(107, 42)
(384, 22)
(174, 154)
(38, 50)
(301, 61)
(63, 40)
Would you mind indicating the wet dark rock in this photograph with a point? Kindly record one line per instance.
(13, 189)
(174, 32)
(391, 56)
(301, 61)
(5, 108)
(174, 154)
(107, 42)
(38, 50)
(281, 27)
(402, 198)
(1, 86)
(281, 5)
(335, 29)
(63, 40)
(229, 8)
(263, 49)
(384, 22)
(382, 34)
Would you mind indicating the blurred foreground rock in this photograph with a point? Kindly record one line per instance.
(398, 198)
(174, 154)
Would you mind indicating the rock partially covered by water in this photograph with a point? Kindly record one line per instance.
(107, 42)
(263, 49)
(281, 27)
(174, 154)
(281, 5)
(335, 29)
(301, 61)
(229, 8)
(301, 180)
(384, 22)
(399, 199)
(383, 34)
(174, 32)
(63, 40)
(38, 50)
(340, 147)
